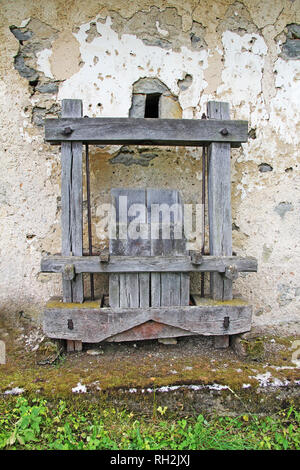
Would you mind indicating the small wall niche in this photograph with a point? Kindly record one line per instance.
(151, 98)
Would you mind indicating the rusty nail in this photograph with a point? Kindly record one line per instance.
(67, 131)
(224, 131)
(226, 322)
(70, 325)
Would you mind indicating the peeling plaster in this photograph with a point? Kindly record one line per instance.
(65, 55)
(128, 59)
(232, 50)
(287, 98)
(43, 63)
(243, 69)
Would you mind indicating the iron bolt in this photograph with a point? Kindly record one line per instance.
(67, 131)
(224, 131)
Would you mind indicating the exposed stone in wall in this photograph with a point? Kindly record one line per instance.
(35, 42)
(40, 113)
(237, 18)
(283, 208)
(291, 47)
(161, 28)
(134, 156)
(34, 38)
(265, 167)
(186, 82)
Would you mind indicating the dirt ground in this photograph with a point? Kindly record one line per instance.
(190, 374)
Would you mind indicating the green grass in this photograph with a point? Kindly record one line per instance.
(38, 424)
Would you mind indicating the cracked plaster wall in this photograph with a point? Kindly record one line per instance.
(246, 53)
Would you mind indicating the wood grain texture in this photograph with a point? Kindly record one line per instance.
(95, 324)
(143, 131)
(219, 203)
(149, 330)
(134, 288)
(169, 288)
(71, 202)
(153, 264)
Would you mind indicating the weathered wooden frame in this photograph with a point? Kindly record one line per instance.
(219, 316)
(131, 264)
(91, 323)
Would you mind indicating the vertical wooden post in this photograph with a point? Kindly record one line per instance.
(219, 209)
(71, 207)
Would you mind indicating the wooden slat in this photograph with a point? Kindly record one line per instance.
(114, 290)
(166, 288)
(153, 264)
(141, 131)
(71, 202)
(184, 289)
(155, 289)
(133, 288)
(144, 289)
(95, 324)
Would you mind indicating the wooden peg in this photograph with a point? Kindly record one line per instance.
(231, 272)
(196, 257)
(69, 272)
(104, 256)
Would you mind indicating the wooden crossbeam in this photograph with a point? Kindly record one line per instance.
(143, 131)
(131, 264)
(92, 324)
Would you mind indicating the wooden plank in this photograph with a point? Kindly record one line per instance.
(153, 264)
(71, 202)
(155, 289)
(219, 207)
(169, 284)
(184, 289)
(95, 324)
(219, 203)
(134, 287)
(129, 290)
(114, 290)
(170, 289)
(144, 289)
(142, 131)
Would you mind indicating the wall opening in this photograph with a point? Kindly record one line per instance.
(152, 105)
(151, 98)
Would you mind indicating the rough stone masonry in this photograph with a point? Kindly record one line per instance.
(244, 52)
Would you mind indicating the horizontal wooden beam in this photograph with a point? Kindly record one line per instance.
(128, 264)
(92, 324)
(141, 131)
